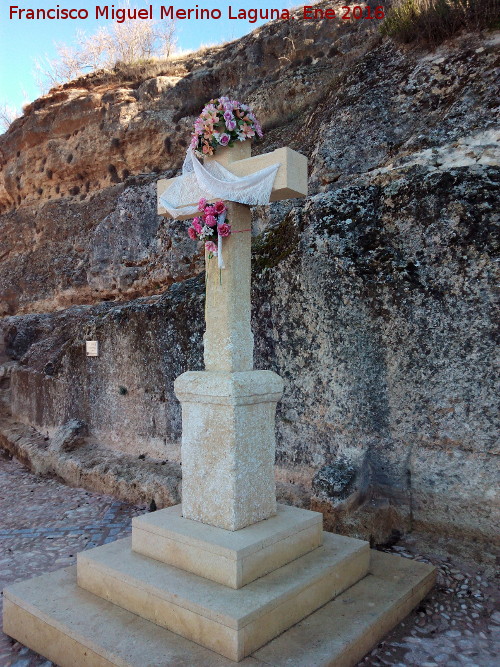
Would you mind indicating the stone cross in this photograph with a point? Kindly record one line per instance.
(228, 410)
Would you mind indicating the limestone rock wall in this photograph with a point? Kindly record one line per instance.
(372, 298)
(380, 319)
(125, 394)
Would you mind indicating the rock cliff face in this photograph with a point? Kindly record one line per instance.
(372, 298)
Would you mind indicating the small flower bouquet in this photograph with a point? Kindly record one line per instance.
(210, 224)
(221, 123)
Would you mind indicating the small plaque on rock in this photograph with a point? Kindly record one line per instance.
(92, 348)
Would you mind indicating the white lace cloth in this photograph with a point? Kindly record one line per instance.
(213, 181)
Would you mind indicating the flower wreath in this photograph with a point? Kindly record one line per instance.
(221, 123)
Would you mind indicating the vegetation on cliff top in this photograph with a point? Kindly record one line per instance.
(433, 21)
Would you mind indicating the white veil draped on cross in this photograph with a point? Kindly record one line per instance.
(213, 181)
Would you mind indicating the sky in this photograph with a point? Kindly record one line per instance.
(24, 40)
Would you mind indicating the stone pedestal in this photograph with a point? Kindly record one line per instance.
(228, 446)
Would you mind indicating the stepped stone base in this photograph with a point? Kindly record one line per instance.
(74, 628)
(231, 622)
(232, 558)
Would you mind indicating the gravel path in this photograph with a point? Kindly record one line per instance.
(44, 524)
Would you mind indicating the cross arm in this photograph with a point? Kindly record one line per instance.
(290, 181)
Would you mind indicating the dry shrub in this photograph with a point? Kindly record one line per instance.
(432, 21)
(129, 43)
(7, 116)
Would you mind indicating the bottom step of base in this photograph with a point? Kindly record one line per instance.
(74, 628)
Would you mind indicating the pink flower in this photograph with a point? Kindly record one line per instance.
(209, 209)
(210, 221)
(192, 233)
(224, 139)
(231, 125)
(202, 203)
(196, 226)
(210, 247)
(248, 131)
(211, 114)
(219, 207)
(224, 230)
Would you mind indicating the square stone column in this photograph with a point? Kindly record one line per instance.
(228, 446)
(228, 339)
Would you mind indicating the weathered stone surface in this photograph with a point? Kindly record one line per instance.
(142, 348)
(93, 467)
(373, 299)
(228, 446)
(335, 481)
(69, 436)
